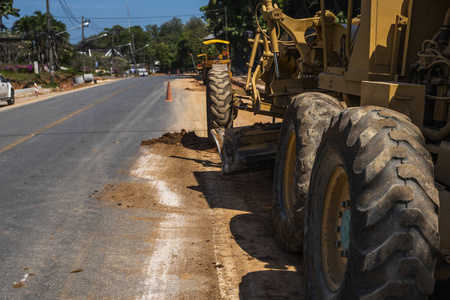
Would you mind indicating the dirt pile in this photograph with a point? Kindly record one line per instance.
(187, 139)
(168, 138)
(195, 86)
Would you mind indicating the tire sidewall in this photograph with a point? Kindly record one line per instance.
(309, 114)
(287, 224)
(287, 128)
(205, 76)
(208, 103)
(328, 159)
(356, 141)
(12, 100)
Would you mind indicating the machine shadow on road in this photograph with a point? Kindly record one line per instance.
(251, 263)
(253, 234)
(193, 142)
(280, 274)
(271, 285)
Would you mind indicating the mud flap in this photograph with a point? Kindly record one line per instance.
(247, 148)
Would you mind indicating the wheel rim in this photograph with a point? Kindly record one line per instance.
(289, 173)
(335, 229)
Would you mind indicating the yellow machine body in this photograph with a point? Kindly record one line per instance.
(396, 54)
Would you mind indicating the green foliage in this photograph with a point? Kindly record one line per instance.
(191, 42)
(164, 44)
(25, 80)
(341, 17)
(20, 77)
(121, 64)
(172, 43)
(169, 44)
(51, 85)
(239, 19)
(34, 28)
(6, 10)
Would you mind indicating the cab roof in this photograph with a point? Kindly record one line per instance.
(214, 41)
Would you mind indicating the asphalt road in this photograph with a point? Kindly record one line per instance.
(54, 154)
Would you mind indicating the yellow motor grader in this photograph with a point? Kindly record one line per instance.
(200, 62)
(218, 58)
(362, 156)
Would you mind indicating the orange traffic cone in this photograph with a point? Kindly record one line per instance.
(169, 93)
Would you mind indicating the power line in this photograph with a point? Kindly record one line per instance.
(105, 21)
(68, 13)
(140, 18)
(95, 27)
(68, 9)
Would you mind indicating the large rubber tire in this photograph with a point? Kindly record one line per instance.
(219, 100)
(205, 75)
(12, 100)
(304, 121)
(386, 237)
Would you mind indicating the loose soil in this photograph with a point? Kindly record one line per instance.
(187, 139)
(222, 223)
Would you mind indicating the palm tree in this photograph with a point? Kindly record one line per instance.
(35, 28)
(6, 9)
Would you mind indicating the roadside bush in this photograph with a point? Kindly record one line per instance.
(17, 68)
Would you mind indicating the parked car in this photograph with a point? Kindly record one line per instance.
(6, 91)
(142, 72)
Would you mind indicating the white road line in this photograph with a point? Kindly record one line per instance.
(149, 164)
(166, 196)
(160, 283)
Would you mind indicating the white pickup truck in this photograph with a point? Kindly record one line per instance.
(142, 72)
(6, 91)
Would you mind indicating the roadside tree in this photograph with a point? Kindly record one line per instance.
(6, 10)
(34, 28)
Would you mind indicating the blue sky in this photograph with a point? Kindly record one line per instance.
(106, 13)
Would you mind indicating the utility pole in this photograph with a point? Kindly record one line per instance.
(133, 49)
(130, 34)
(112, 51)
(82, 44)
(226, 24)
(82, 29)
(49, 42)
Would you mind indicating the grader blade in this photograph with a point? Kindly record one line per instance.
(247, 148)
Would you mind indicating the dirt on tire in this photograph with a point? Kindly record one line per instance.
(307, 117)
(392, 244)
